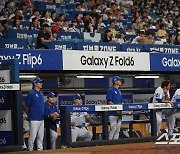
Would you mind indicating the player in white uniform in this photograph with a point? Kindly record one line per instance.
(78, 128)
(161, 95)
(171, 119)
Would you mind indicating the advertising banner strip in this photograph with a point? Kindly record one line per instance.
(162, 48)
(5, 100)
(97, 46)
(164, 62)
(124, 107)
(8, 86)
(4, 76)
(96, 60)
(5, 120)
(91, 60)
(108, 107)
(81, 108)
(5, 138)
(159, 106)
(133, 106)
(34, 59)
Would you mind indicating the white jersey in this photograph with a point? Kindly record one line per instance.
(79, 118)
(176, 97)
(159, 95)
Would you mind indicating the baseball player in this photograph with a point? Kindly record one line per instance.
(78, 128)
(161, 95)
(25, 128)
(51, 114)
(171, 119)
(34, 107)
(114, 96)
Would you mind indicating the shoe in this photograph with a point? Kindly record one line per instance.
(25, 149)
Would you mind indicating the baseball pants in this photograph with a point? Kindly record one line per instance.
(53, 137)
(36, 131)
(115, 125)
(81, 132)
(159, 121)
(148, 125)
(171, 120)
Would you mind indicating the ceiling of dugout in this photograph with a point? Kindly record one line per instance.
(52, 75)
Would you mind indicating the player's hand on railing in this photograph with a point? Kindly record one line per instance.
(171, 103)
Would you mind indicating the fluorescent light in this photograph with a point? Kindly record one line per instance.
(27, 76)
(89, 76)
(147, 77)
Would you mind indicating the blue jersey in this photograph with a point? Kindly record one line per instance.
(35, 102)
(48, 109)
(115, 96)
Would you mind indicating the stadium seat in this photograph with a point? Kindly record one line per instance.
(95, 37)
(31, 42)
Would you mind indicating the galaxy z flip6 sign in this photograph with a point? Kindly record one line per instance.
(85, 60)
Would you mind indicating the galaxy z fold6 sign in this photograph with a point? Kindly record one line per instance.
(85, 60)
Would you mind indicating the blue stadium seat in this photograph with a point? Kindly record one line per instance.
(42, 6)
(131, 37)
(31, 42)
(71, 6)
(154, 31)
(25, 24)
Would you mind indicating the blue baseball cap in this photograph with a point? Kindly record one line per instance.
(117, 78)
(37, 80)
(51, 94)
(77, 96)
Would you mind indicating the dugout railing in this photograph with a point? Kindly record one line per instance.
(66, 121)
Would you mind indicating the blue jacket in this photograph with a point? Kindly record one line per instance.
(48, 109)
(35, 102)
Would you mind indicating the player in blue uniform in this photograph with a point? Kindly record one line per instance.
(34, 107)
(171, 119)
(114, 96)
(51, 113)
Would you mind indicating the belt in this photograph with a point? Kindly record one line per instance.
(79, 126)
